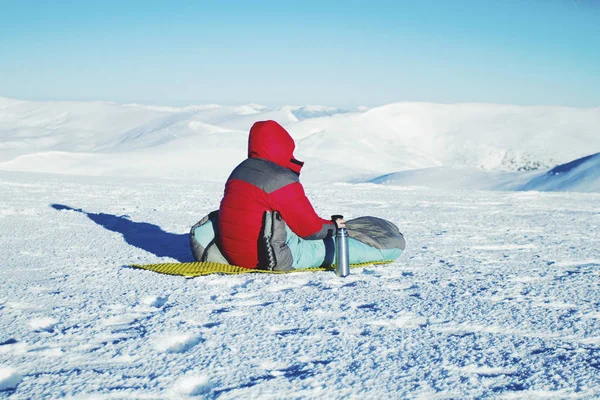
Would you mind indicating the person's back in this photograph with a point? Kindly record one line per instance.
(267, 181)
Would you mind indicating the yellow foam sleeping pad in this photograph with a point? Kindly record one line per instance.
(191, 269)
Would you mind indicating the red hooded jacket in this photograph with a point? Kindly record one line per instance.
(266, 181)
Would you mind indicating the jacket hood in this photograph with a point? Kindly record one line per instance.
(270, 141)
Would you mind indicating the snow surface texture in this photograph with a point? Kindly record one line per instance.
(442, 144)
(496, 297)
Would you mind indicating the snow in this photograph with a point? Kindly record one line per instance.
(174, 342)
(466, 146)
(9, 378)
(192, 385)
(42, 324)
(404, 321)
(449, 178)
(154, 301)
(581, 175)
(496, 296)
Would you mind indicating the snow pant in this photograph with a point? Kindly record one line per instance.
(370, 239)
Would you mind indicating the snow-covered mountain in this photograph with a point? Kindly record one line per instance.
(207, 141)
(449, 178)
(581, 175)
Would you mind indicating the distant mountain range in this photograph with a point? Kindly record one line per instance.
(476, 146)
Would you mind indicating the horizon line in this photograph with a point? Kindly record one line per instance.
(280, 105)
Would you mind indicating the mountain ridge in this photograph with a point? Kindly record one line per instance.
(338, 144)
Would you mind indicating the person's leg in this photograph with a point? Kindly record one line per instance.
(310, 253)
(293, 252)
(362, 253)
(203, 239)
(374, 239)
(317, 253)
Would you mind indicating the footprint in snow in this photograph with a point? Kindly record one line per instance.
(154, 301)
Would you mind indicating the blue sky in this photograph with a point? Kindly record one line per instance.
(341, 53)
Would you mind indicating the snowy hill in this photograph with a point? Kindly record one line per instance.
(581, 175)
(491, 137)
(206, 141)
(456, 178)
(307, 112)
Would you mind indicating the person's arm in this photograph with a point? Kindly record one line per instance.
(297, 212)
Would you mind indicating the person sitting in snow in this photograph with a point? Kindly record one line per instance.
(266, 221)
(268, 180)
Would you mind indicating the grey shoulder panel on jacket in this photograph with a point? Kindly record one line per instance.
(264, 174)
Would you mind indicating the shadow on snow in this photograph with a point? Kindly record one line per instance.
(143, 235)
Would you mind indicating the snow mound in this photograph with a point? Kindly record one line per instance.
(192, 385)
(43, 324)
(176, 342)
(9, 378)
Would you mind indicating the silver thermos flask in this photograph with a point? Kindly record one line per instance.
(342, 257)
